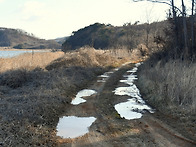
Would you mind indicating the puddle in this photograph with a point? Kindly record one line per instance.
(83, 93)
(130, 79)
(104, 77)
(133, 70)
(101, 81)
(129, 91)
(116, 69)
(72, 126)
(134, 107)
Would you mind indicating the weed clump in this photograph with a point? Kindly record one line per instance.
(14, 79)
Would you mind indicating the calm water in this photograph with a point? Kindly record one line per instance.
(72, 126)
(83, 93)
(12, 53)
(135, 106)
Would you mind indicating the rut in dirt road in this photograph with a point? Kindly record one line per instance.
(109, 129)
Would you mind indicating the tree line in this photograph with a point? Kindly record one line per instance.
(106, 36)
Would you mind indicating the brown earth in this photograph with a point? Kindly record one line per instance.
(111, 130)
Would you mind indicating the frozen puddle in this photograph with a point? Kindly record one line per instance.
(72, 126)
(135, 106)
(83, 93)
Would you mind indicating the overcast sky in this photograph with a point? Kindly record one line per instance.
(49, 19)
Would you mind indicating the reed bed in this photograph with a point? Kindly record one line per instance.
(29, 61)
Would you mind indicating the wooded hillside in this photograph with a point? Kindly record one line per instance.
(20, 39)
(101, 36)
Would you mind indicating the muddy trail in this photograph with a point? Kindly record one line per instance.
(109, 129)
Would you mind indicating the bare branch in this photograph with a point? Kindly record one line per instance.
(159, 1)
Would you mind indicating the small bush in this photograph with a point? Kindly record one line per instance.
(14, 79)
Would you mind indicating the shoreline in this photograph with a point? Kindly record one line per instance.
(13, 49)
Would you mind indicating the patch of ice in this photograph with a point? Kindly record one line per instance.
(83, 93)
(72, 126)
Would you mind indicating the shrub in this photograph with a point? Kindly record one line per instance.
(14, 79)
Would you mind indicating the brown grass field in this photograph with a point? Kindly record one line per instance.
(29, 61)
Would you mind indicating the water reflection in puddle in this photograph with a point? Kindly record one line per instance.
(83, 93)
(72, 126)
(134, 107)
(104, 77)
(131, 109)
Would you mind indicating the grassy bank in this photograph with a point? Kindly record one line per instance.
(170, 87)
(33, 97)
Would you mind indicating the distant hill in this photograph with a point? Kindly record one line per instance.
(61, 40)
(20, 39)
(107, 36)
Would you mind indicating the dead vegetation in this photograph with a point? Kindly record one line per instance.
(170, 87)
(29, 61)
(33, 95)
(89, 57)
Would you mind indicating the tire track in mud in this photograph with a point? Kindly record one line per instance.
(111, 130)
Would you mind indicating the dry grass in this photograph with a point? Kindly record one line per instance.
(170, 87)
(171, 84)
(28, 61)
(32, 98)
(90, 57)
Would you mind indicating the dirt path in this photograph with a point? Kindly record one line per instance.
(111, 130)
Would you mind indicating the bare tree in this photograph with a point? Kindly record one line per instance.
(192, 26)
(182, 13)
(184, 28)
(174, 9)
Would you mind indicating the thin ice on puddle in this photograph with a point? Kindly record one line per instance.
(83, 93)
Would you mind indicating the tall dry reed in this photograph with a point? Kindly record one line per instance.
(28, 61)
(170, 84)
